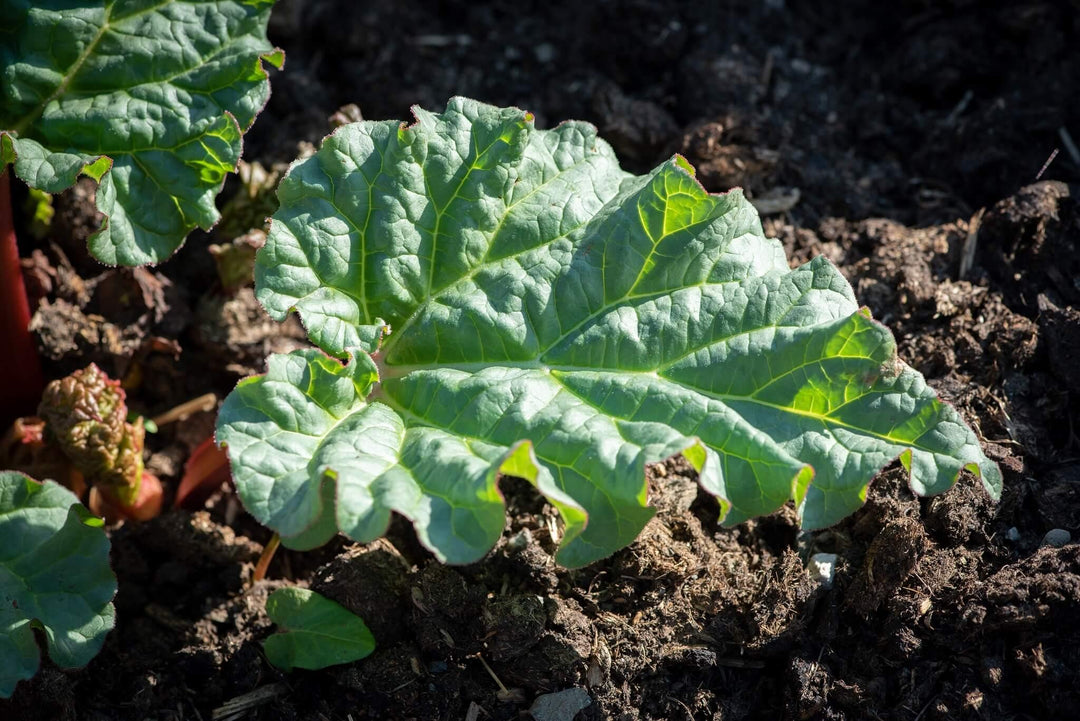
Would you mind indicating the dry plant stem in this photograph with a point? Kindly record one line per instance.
(491, 672)
(265, 558)
(205, 402)
(23, 380)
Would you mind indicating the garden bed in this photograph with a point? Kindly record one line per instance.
(904, 148)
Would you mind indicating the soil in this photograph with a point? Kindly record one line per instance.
(902, 141)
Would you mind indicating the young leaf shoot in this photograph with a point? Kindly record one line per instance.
(315, 631)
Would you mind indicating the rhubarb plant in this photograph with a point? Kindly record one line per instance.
(85, 417)
(508, 301)
(54, 578)
(150, 99)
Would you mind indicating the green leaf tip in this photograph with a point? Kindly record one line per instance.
(315, 631)
(158, 131)
(556, 318)
(276, 57)
(54, 576)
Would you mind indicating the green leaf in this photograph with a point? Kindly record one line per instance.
(316, 632)
(534, 310)
(149, 98)
(54, 576)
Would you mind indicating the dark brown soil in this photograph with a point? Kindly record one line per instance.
(900, 140)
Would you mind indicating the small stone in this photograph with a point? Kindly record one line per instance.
(561, 705)
(1056, 538)
(545, 52)
(823, 569)
(519, 541)
(801, 67)
(1013, 534)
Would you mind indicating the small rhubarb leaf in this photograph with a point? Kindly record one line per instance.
(151, 99)
(54, 576)
(315, 631)
(531, 309)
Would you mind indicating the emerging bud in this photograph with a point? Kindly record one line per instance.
(86, 415)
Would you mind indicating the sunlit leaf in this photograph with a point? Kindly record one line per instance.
(149, 98)
(531, 309)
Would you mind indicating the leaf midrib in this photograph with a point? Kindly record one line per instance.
(323, 634)
(440, 213)
(487, 261)
(33, 115)
(24, 122)
(390, 342)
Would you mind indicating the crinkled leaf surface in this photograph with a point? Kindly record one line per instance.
(315, 631)
(54, 575)
(150, 98)
(534, 310)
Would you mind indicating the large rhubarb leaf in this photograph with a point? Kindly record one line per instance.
(149, 98)
(531, 309)
(54, 576)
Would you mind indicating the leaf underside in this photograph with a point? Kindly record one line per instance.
(149, 98)
(316, 632)
(511, 302)
(54, 575)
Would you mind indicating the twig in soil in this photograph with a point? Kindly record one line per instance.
(502, 688)
(689, 713)
(588, 591)
(817, 663)
(264, 560)
(767, 71)
(740, 663)
(971, 242)
(195, 709)
(442, 41)
(205, 402)
(553, 529)
(957, 111)
(1070, 145)
(1047, 163)
(925, 708)
(238, 706)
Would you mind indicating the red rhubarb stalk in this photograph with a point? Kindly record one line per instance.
(206, 471)
(23, 381)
